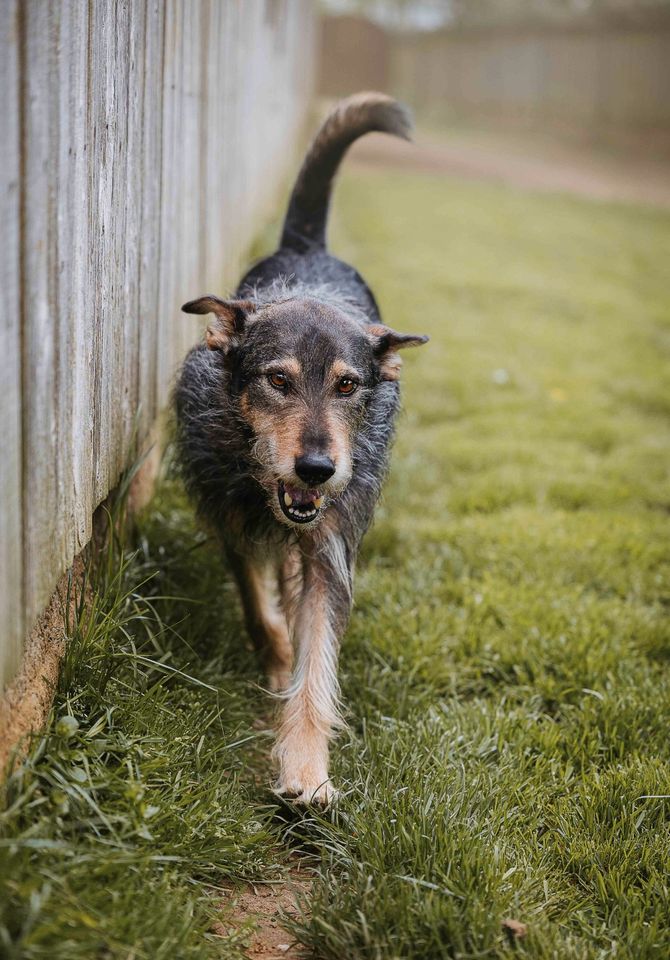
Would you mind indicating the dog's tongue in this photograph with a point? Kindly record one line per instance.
(303, 497)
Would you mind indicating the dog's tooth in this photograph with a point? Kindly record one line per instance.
(288, 499)
(317, 503)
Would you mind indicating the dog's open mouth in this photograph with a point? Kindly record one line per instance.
(300, 506)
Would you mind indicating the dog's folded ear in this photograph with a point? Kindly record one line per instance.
(230, 321)
(386, 343)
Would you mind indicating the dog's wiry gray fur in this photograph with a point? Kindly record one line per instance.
(303, 308)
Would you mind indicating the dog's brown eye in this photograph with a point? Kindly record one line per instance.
(278, 380)
(346, 387)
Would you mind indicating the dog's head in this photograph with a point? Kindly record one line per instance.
(302, 372)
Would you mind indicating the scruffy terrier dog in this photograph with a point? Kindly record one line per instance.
(285, 419)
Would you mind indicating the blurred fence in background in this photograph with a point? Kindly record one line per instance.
(143, 141)
(604, 80)
(355, 54)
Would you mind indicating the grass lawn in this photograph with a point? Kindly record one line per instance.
(506, 673)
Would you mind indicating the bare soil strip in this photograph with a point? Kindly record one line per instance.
(263, 906)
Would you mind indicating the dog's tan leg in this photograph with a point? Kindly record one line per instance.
(311, 714)
(265, 619)
(290, 584)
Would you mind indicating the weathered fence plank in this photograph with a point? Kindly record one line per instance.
(11, 607)
(43, 458)
(142, 143)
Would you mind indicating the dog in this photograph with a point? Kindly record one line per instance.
(285, 418)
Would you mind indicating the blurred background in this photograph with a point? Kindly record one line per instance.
(560, 94)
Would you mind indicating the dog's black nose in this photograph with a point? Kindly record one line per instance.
(314, 468)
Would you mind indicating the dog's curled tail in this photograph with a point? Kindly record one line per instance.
(307, 215)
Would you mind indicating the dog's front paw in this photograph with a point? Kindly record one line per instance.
(308, 791)
(302, 757)
(305, 783)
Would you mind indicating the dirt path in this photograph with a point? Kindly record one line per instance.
(262, 906)
(526, 162)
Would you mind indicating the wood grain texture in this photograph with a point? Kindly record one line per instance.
(143, 143)
(11, 599)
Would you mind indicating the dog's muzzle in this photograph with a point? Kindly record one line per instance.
(298, 505)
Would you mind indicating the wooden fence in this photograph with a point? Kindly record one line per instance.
(141, 145)
(599, 78)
